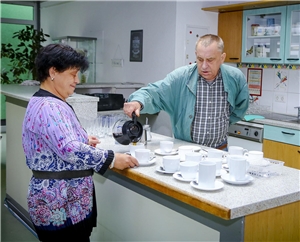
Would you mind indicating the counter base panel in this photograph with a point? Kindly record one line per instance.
(277, 224)
(151, 209)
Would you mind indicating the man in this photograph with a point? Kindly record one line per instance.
(202, 99)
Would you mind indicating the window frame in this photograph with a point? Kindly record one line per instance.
(36, 14)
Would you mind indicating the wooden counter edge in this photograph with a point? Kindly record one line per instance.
(178, 194)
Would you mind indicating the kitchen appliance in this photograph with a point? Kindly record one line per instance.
(108, 101)
(127, 131)
(247, 135)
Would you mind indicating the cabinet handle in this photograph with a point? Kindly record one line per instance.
(292, 59)
(275, 59)
(287, 133)
(234, 58)
(299, 151)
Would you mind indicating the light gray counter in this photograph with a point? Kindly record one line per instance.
(238, 200)
(141, 204)
(283, 124)
(84, 106)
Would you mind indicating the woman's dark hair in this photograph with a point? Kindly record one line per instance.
(61, 57)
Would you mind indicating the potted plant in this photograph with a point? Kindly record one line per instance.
(22, 57)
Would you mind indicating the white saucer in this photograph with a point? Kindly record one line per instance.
(218, 185)
(148, 163)
(194, 147)
(228, 179)
(177, 175)
(222, 172)
(159, 152)
(161, 170)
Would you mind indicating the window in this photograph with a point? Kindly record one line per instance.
(14, 17)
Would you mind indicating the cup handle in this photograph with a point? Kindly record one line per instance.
(152, 155)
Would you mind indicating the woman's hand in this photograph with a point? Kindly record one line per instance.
(93, 141)
(123, 161)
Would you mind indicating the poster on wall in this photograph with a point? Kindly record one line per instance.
(254, 79)
(136, 46)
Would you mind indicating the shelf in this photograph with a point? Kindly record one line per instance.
(263, 36)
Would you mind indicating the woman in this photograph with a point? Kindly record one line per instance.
(61, 196)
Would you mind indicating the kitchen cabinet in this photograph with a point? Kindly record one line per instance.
(264, 35)
(290, 154)
(282, 144)
(230, 30)
(272, 35)
(292, 43)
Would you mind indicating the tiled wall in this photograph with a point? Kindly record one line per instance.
(280, 87)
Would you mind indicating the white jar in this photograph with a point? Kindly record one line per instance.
(260, 31)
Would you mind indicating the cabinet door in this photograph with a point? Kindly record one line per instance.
(292, 43)
(264, 35)
(290, 154)
(230, 30)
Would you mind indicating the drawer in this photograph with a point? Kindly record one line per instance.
(279, 134)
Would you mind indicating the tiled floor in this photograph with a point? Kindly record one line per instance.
(12, 230)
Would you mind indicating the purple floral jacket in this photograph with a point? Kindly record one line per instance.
(54, 140)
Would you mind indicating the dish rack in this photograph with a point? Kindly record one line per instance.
(274, 168)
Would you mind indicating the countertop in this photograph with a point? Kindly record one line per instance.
(283, 124)
(25, 93)
(232, 201)
(125, 85)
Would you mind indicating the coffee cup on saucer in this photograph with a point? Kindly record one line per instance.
(133, 147)
(189, 169)
(166, 146)
(143, 155)
(237, 150)
(206, 174)
(238, 166)
(171, 163)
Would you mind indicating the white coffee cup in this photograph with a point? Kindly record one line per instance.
(236, 150)
(206, 174)
(254, 155)
(166, 146)
(238, 166)
(217, 161)
(215, 153)
(143, 155)
(189, 169)
(133, 147)
(171, 163)
(193, 156)
(182, 150)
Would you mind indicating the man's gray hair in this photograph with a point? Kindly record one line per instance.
(208, 39)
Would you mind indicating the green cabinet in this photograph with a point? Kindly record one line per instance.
(282, 144)
(264, 35)
(271, 35)
(292, 44)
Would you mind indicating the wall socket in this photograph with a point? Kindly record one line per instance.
(117, 62)
(279, 98)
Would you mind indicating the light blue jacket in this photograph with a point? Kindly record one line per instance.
(176, 95)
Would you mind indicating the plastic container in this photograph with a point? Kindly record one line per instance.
(274, 168)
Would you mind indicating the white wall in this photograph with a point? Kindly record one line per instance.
(164, 25)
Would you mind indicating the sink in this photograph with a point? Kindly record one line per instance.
(281, 117)
(297, 121)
